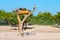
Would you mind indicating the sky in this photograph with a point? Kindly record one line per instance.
(52, 6)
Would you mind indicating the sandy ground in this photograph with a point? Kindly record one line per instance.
(39, 32)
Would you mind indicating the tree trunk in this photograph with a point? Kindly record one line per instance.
(20, 30)
(19, 25)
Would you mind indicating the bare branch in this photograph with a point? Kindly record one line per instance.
(19, 19)
(28, 15)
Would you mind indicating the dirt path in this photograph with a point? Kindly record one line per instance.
(39, 32)
(37, 36)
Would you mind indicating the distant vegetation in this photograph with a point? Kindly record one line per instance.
(45, 18)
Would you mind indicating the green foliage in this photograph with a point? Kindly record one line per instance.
(45, 18)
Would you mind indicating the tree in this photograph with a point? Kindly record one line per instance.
(20, 25)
